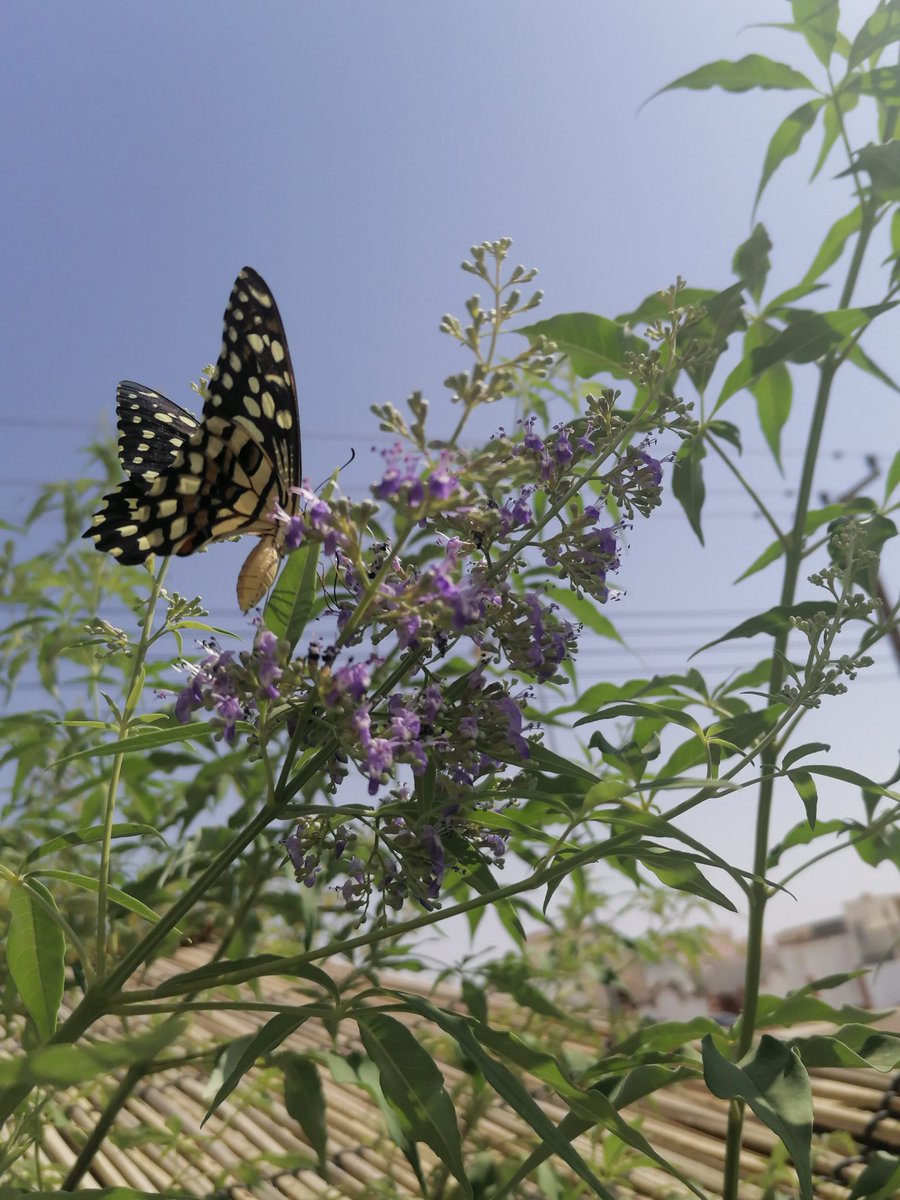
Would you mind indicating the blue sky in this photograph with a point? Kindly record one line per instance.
(352, 153)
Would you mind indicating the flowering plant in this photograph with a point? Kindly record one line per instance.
(365, 768)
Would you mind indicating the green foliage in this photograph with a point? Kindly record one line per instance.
(126, 831)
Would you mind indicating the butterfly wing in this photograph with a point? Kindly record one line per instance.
(227, 475)
(152, 429)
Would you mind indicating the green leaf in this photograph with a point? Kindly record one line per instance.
(752, 71)
(773, 1081)
(799, 752)
(687, 482)
(858, 357)
(806, 790)
(817, 20)
(801, 1006)
(814, 519)
(893, 476)
(723, 315)
(142, 742)
(774, 620)
(415, 1087)
(851, 1046)
(305, 1100)
(240, 1055)
(90, 883)
(227, 974)
(751, 261)
(772, 390)
(879, 1179)
(293, 600)
(880, 84)
(87, 836)
(592, 343)
(639, 708)
(508, 1087)
(677, 870)
(786, 141)
(35, 953)
(67, 1065)
(882, 165)
(804, 340)
(802, 835)
(833, 244)
(881, 28)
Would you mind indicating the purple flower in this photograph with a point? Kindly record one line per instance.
(563, 448)
(351, 680)
(432, 702)
(514, 724)
(441, 484)
(431, 843)
(269, 670)
(653, 467)
(189, 700)
(295, 533)
(379, 760)
(230, 710)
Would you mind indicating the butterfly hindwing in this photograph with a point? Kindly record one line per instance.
(152, 429)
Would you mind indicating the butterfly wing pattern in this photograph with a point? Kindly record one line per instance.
(191, 482)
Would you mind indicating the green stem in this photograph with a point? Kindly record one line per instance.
(132, 696)
(759, 893)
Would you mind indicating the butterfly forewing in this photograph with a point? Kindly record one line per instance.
(252, 391)
(193, 482)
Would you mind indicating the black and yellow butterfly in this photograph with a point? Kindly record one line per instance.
(191, 482)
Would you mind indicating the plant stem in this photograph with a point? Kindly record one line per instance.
(132, 696)
(759, 892)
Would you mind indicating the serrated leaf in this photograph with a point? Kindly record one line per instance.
(772, 390)
(773, 1081)
(817, 20)
(774, 621)
(687, 482)
(801, 835)
(593, 344)
(751, 261)
(880, 29)
(413, 1084)
(786, 141)
(752, 71)
(35, 953)
(882, 165)
(804, 340)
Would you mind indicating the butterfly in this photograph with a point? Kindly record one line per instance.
(190, 482)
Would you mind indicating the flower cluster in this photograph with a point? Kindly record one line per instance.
(400, 860)
(231, 686)
(423, 678)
